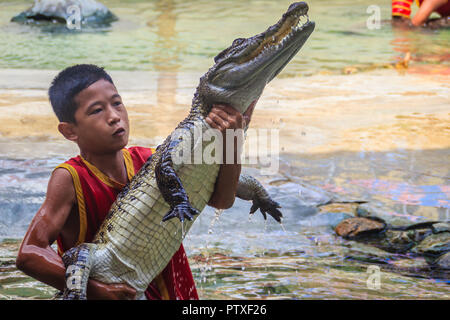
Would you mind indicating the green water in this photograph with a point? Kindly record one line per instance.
(185, 35)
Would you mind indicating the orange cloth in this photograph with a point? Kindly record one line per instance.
(401, 8)
(96, 192)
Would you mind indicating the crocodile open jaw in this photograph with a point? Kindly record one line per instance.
(242, 71)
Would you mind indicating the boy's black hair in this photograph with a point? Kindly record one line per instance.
(68, 83)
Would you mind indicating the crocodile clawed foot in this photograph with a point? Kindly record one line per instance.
(267, 206)
(181, 211)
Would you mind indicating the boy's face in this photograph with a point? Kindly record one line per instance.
(101, 119)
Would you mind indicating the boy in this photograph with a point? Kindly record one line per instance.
(401, 11)
(81, 191)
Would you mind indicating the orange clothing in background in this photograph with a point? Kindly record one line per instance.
(95, 193)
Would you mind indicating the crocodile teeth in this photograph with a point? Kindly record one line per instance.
(297, 27)
(274, 45)
(300, 23)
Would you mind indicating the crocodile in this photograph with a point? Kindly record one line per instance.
(139, 237)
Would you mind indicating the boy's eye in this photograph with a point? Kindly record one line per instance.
(117, 103)
(96, 110)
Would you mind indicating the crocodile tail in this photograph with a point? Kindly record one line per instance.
(78, 262)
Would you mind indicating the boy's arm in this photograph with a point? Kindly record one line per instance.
(224, 117)
(425, 10)
(37, 259)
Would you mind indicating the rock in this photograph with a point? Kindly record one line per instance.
(438, 23)
(367, 211)
(408, 263)
(287, 194)
(313, 196)
(331, 219)
(434, 244)
(418, 235)
(363, 252)
(443, 262)
(359, 227)
(440, 227)
(44, 12)
(396, 241)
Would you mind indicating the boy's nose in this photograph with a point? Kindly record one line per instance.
(113, 116)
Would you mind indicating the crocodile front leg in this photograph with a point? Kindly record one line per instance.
(251, 189)
(171, 188)
(78, 262)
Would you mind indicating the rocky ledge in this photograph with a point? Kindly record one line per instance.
(73, 13)
(427, 239)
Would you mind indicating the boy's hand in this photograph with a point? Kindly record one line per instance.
(116, 291)
(222, 117)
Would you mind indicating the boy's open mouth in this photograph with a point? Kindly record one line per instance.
(119, 132)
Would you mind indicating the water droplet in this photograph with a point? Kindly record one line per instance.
(217, 214)
(183, 233)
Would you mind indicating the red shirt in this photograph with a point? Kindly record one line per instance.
(95, 193)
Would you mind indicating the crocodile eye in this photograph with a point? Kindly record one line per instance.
(238, 42)
(221, 55)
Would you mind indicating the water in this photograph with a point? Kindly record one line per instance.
(234, 257)
(382, 137)
(186, 35)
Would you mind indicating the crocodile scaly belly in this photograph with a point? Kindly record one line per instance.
(133, 244)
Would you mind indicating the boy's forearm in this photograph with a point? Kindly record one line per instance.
(425, 10)
(51, 270)
(226, 185)
(227, 180)
(225, 118)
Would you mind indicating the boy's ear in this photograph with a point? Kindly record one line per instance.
(67, 129)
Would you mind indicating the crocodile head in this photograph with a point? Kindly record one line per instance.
(242, 71)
